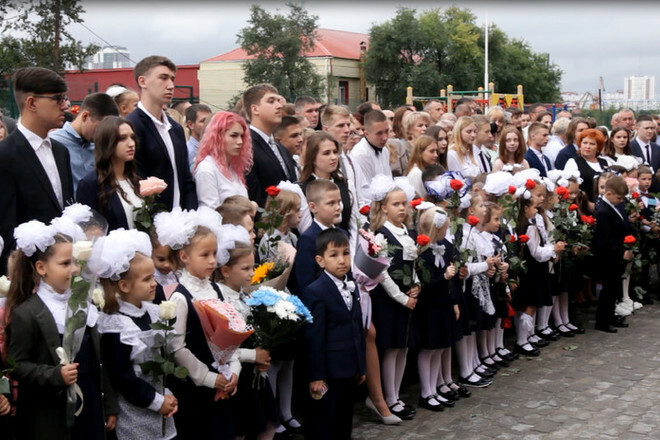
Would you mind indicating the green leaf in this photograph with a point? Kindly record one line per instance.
(168, 367)
(181, 372)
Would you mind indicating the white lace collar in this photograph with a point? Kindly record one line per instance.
(197, 287)
(235, 299)
(55, 302)
(131, 310)
(395, 229)
(405, 240)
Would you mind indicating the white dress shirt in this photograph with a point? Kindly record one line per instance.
(368, 164)
(467, 167)
(44, 151)
(163, 127)
(344, 287)
(213, 187)
(133, 202)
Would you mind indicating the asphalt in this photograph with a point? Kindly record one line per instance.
(592, 386)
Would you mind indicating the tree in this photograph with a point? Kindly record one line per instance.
(44, 40)
(431, 50)
(278, 45)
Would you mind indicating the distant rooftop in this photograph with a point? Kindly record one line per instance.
(330, 43)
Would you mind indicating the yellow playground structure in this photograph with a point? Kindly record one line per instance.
(485, 98)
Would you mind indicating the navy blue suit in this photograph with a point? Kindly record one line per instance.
(88, 193)
(305, 268)
(568, 152)
(152, 159)
(336, 354)
(534, 162)
(636, 150)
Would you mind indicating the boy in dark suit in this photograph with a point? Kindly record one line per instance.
(608, 248)
(324, 200)
(272, 162)
(335, 339)
(35, 171)
(161, 143)
(538, 138)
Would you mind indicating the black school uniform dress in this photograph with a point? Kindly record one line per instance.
(200, 416)
(253, 408)
(534, 287)
(127, 340)
(395, 323)
(438, 326)
(498, 288)
(545, 238)
(35, 331)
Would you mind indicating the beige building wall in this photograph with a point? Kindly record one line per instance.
(220, 81)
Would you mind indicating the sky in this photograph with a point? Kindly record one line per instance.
(586, 40)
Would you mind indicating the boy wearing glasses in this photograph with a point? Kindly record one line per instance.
(35, 172)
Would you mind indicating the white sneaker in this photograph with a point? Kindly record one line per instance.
(637, 306)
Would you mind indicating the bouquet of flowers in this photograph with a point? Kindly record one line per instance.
(517, 265)
(570, 227)
(144, 215)
(371, 259)
(276, 317)
(163, 359)
(225, 330)
(274, 273)
(462, 253)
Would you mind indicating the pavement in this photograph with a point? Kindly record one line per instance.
(592, 386)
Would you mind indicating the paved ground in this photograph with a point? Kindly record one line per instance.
(592, 386)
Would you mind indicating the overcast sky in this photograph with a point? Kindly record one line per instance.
(586, 40)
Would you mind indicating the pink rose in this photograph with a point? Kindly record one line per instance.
(152, 185)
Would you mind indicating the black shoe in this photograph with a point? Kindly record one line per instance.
(481, 383)
(540, 343)
(403, 414)
(579, 330)
(521, 350)
(444, 402)
(487, 373)
(462, 391)
(492, 366)
(407, 407)
(502, 362)
(606, 328)
(451, 395)
(510, 357)
(292, 429)
(425, 403)
(568, 333)
(547, 336)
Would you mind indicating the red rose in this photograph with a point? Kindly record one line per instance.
(415, 202)
(523, 238)
(583, 218)
(573, 207)
(562, 191)
(635, 195)
(423, 240)
(472, 220)
(272, 191)
(629, 239)
(506, 323)
(565, 196)
(455, 184)
(512, 239)
(512, 189)
(588, 219)
(530, 184)
(365, 210)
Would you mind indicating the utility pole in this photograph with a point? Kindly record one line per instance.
(56, 44)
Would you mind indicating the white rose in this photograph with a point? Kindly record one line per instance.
(97, 297)
(4, 285)
(82, 250)
(167, 310)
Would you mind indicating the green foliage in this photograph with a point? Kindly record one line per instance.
(278, 44)
(162, 363)
(44, 40)
(435, 48)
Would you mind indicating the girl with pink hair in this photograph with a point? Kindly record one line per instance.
(225, 156)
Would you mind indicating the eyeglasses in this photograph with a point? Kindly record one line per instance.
(61, 99)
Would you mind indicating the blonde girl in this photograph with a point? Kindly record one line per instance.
(460, 156)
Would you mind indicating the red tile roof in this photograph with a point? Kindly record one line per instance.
(330, 43)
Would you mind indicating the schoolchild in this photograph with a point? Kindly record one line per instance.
(122, 262)
(335, 340)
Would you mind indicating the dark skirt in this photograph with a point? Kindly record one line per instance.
(436, 320)
(480, 320)
(89, 424)
(199, 415)
(253, 407)
(462, 299)
(534, 287)
(499, 298)
(396, 325)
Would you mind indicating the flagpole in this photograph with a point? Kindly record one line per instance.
(486, 57)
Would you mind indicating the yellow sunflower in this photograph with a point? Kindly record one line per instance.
(260, 272)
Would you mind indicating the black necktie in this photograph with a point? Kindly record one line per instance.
(648, 154)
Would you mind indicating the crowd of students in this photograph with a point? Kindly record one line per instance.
(416, 232)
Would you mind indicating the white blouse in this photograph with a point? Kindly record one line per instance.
(468, 168)
(134, 201)
(213, 187)
(415, 179)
